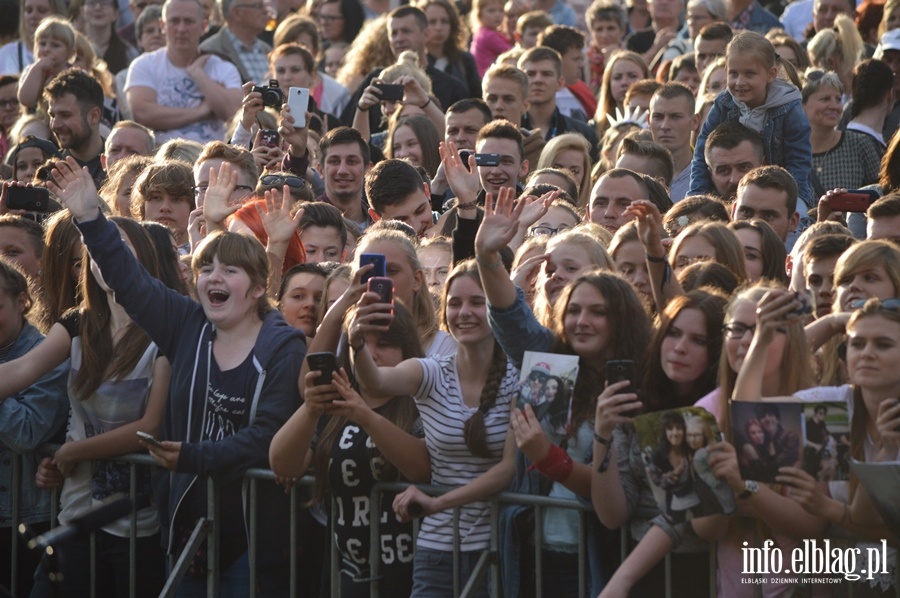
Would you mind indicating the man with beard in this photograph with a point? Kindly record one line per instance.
(75, 101)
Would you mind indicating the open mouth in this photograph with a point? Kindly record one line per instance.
(217, 298)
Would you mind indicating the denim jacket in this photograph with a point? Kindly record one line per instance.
(785, 143)
(27, 420)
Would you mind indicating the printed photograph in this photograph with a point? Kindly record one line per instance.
(767, 436)
(546, 383)
(826, 447)
(675, 454)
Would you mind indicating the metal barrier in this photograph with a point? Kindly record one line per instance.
(205, 529)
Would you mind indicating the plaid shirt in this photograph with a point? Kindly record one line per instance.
(254, 58)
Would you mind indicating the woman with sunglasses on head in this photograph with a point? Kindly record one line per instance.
(873, 366)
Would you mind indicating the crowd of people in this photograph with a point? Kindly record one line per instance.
(704, 195)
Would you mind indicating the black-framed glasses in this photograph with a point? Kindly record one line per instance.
(200, 190)
(277, 180)
(892, 303)
(537, 231)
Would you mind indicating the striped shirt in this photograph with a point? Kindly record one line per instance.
(444, 416)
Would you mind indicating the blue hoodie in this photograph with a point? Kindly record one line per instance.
(179, 327)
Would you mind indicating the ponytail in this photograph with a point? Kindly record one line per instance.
(789, 70)
(475, 431)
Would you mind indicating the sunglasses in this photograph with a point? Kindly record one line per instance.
(277, 180)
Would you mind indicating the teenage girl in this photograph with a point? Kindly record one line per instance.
(487, 42)
(762, 102)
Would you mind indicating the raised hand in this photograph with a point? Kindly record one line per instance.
(776, 310)
(535, 208)
(251, 105)
(501, 220)
(295, 136)
(351, 405)
(371, 315)
(530, 437)
(612, 406)
(217, 205)
(649, 225)
(75, 189)
(275, 214)
(463, 181)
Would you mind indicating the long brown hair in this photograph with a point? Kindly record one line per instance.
(475, 433)
(400, 411)
(102, 358)
(60, 290)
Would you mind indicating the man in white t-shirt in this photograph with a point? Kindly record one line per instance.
(176, 91)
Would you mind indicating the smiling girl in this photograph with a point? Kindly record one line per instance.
(54, 48)
(235, 365)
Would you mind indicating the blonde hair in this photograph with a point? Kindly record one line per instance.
(606, 104)
(756, 44)
(370, 49)
(842, 42)
(57, 29)
(407, 65)
(575, 142)
(475, 12)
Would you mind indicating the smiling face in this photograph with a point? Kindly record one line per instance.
(683, 353)
(585, 322)
(72, 128)
(226, 293)
(696, 437)
(406, 146)
(28, 160)
(344, 172)
(466, 313)
(675, 434)
(756, 434)
(301, 297)
(748, 78)
(415, 211)
(566, 262)
(823, 108)
(511, 168)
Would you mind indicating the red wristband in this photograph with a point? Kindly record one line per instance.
(556, 465)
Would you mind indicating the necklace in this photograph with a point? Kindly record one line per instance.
(820, 159)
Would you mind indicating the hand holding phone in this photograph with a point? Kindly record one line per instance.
(324, 362)
(149, 439)
(854, 200)
(379, 262)
(390, 92)
(298, 102)
(618, 370)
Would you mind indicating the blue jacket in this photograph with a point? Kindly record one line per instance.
(762, 20)
(178, 326)
(27, 420)
(785, 143)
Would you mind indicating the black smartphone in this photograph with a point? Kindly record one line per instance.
(326, 363)
(622, 369)
(31, 199)
(487, 159)
(378, 260)
(148, 438)
(269, 138)
(390, 92)
(384, 287)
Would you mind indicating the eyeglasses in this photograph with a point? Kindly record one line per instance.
(885, 304)
(736, 330)
(329, 18)
(200, 190)
(8, 104)
(277, 180)
(537, 231)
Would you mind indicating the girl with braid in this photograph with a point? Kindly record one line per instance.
(464, 400)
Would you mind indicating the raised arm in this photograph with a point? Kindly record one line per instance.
(663, 283)
(403, 379)
(280, 227)
(501, 220)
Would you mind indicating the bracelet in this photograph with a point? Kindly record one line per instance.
(489, 265)
(425, 105)
(656, 260)
(604, 465)
(601, 439)
(361, 109)
(358, 348)
(467, 206)
(556, 465)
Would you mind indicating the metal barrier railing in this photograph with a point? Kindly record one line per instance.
(206, 529)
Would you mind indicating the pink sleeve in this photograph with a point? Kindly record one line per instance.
(487, 45)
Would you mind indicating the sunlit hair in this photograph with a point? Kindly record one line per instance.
(597, 258)
(841, 45)
(866, 255)
(426, 134)
(475, 433)
(423, 306)
(795, 371)
(14, 283)
(59, 291)
(58, 29)
(657, 390)
(750, 42)
(407, 65)
(129, 166)
(101, 358)
(575, 142)
(606, 103)
(173, 178)
(242, 251)
(729, 252)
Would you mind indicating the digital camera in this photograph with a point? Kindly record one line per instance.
(272, 96)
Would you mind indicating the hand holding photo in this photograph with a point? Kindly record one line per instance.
(546, 383)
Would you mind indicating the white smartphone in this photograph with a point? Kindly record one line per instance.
(148, 438)
(298, 100)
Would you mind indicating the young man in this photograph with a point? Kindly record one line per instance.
(768, 193)
(397, 192)
(819, 259)
(75, 101)
(672, 121)
(884, 219)
(543, 67)
(323, 233)
(613, 192)
(732, 150)
(506, 94)
(575, 100)
(710, 44)
(646, 157)
(343, 163)
(213, 155)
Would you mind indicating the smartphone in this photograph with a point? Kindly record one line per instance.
(380, 268)
(148, 438)
(487, 159)
(622, 369)
(270, 137)
(389, 92)
(855, 200)
(298, 100)
(30, 199)
(326, 363)
(384, 287)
